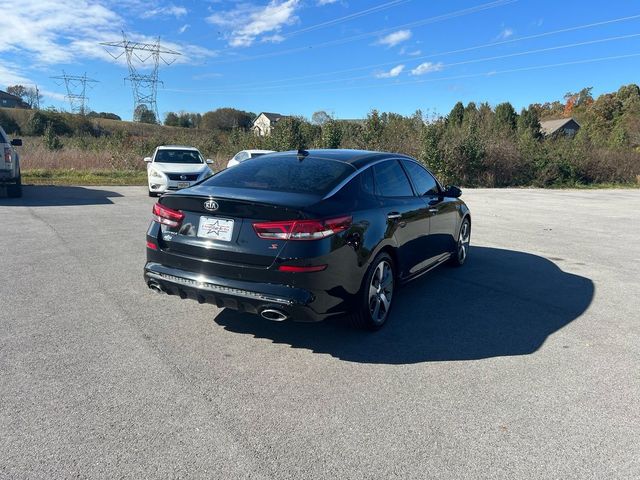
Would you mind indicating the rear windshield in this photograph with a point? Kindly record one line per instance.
(177, 156)
(284, 174)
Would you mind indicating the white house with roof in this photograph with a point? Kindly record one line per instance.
(566, 127)
(264, 123)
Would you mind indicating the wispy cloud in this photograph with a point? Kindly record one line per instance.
(71, 30)
(167, 10)
(326, 2)
(505, 33)
(11, 74)
(207, 76)
(394, 72)
(248, 22)
(276, 38)
(395, 38)
(411, 53)
(427, 67)
(183, 28)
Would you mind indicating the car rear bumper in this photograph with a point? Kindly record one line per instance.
(245, 296)
(8, 176)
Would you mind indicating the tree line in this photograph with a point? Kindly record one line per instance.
(472, 145)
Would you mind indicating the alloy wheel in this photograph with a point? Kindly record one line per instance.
(380, 292)
(463, 241)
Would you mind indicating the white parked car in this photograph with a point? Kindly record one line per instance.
(10, 165)
(173, 167)
(246, 155)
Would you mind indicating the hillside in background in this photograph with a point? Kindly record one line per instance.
(474, 145)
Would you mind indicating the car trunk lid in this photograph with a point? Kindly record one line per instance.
(218, 224)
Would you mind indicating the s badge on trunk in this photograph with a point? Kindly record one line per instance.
(211, 205)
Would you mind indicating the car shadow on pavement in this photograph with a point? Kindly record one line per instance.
(55, 196)
(500, 303)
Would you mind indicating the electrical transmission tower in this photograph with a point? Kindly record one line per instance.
(76, 90)
(144, 85)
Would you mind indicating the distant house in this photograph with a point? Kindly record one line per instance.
(566, 127)
(264, 122)
(11, 101)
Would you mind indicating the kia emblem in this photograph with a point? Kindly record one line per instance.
(211, 205)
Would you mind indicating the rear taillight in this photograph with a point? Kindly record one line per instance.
(301, 229)
(7, 155)
(298, 269)
(167, 216)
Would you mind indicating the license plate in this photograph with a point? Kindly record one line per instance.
(215, 228)
(183, 184)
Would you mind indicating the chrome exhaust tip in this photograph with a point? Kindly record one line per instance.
(155, 286)
(273, 315)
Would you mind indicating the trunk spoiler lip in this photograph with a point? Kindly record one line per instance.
(293, 201)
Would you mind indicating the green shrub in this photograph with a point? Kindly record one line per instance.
(9, 124)
(51, 140)
(41, 119)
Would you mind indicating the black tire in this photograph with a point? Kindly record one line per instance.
(152, 194)
(15, 191)
(382, 270)
(461, 253)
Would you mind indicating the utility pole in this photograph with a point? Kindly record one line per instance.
(144, 85)
(76, 86)
(37, 99)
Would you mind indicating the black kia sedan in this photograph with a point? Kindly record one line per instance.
(307, 235)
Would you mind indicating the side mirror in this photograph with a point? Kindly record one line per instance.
(209, 161)
(452, 191)
(16, 142)
(147, 159)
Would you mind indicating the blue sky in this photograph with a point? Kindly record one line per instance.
(343, 56)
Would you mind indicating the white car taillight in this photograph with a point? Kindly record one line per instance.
(7, 155)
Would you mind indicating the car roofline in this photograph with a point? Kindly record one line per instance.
(181, 147)
(362, 168)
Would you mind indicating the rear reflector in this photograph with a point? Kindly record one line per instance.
(301, 229)
(152, 245)
(167, 216)
(296, 269)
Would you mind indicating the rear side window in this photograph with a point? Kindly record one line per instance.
(284, 174)
(391, 180)
(423, 181)
(366, 182)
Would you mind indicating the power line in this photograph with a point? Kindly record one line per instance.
(447, 65)
(426, 21)
(513, 70)
(144, 85)
(490, 73)
(76, 86)
(346, 18)
(435, 55)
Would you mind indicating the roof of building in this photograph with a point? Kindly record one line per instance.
(274, 117)
(7, 94)
(21, 103)
(549, 127)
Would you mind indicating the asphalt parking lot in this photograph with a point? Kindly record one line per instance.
(525, 363)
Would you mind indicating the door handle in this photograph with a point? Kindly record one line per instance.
(394, 215)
